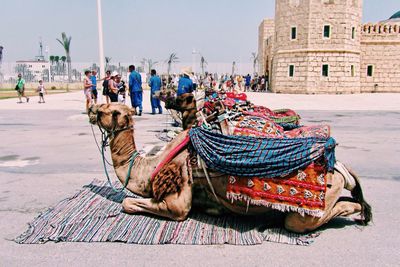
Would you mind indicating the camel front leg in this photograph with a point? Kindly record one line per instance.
(175, 206)
(300, 224)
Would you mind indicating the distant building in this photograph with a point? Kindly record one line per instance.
(320, 46)
(36, 70)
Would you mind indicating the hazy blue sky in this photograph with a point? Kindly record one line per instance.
(222, 30)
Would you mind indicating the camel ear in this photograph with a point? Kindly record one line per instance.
(132, 111)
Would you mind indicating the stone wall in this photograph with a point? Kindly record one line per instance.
(265, 31)
(348, 51)
(310, 50)
(380, 47)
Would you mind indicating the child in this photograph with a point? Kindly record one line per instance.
(41, 90)
(121, 89)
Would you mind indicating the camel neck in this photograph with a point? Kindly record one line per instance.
(122, 147)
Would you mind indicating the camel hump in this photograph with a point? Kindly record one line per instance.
(167, 181)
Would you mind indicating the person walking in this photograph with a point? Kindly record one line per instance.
(87, 89)
(41, 90)
(135, 89)
(155, 86)
(20, 88)
(93, 79)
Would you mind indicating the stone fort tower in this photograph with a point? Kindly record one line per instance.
(317, 46)
(320, 46)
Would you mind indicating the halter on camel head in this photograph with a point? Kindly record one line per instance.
(110, 131)
(118, 121)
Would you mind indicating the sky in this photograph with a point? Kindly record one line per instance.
(221, 30)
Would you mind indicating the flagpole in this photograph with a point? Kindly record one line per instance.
(101, 44)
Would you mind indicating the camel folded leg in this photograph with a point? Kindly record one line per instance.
(174, 206)
(300, 224)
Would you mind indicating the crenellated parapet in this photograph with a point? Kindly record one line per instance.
(380, 28)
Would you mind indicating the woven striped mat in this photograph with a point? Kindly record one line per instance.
(94, 215)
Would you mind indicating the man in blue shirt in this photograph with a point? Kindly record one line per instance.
(185, 84)
(155, 86)
(94, 86)
(247, 83)
(135, 89)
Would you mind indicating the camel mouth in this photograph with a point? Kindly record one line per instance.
(93, 119)
(92, 113)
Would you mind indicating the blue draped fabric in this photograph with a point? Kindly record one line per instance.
(246, 156)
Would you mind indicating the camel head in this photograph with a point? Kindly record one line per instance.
(167, 95)
(111, 117)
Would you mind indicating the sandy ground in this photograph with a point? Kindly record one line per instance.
(47, 153)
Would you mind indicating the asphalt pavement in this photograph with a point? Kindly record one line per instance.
(47, 153)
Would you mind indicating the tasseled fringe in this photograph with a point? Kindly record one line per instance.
(275, 206)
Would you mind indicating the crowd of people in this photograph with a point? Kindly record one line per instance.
(114, 89)
(227, 82)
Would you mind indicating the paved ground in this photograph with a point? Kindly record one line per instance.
(47, 153)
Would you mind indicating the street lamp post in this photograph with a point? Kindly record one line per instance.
(194, 52)
(101, 45)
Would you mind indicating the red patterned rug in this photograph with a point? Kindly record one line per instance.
(302, 192)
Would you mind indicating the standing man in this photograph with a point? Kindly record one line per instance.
(20, 87)
(155, 86)
(247, 83)
(93, 78)
(135, 89)
(185, 84)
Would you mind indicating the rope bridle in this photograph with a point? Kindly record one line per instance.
(105, 137)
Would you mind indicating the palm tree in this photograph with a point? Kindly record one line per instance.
(254, 58)
(1, 53)
(171, 59)
(150, 64)
(66, 43)
(108, 60)
(203, 62)
(51, 58)
(63, 59)
(57, 60)
(233, 67)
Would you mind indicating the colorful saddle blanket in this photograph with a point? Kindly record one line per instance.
(260, 157)
(286, 173)
(302, 191)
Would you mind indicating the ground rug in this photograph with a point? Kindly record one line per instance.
(94, 215)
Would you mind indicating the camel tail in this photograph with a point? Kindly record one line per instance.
(357, 194)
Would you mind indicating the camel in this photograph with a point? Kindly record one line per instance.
(171, 193)
(190, 106)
